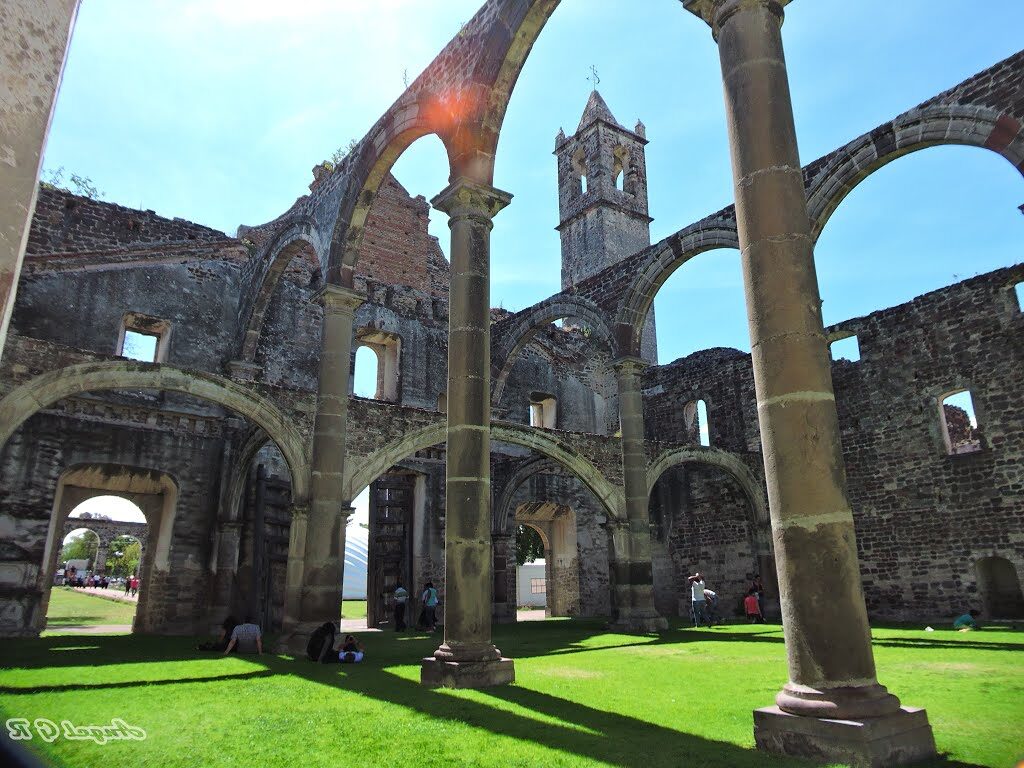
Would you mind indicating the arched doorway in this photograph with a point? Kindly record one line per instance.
(103, 562)
(556, 587)
(1000, 588)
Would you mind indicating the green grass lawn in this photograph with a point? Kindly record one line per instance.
(583, 697)
(69, 607)
(353, 609)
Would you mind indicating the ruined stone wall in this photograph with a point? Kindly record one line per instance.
(67, 222)
(397, 249)
(924, 518)
(702, 521)
(44, 447)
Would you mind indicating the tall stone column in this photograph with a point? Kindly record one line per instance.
(323, 558)
(828, 641)
(633, 591)
(294, 569)
(222, 600)
(34, 38)
(467, 658)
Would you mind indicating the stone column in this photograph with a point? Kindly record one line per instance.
(467, 658)
(828, 642)
(633, 593)
(504, 594)
(34, 38)
(222, 601)
(323, 557)
(293, 569)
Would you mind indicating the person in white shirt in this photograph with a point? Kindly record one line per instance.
(698, 601)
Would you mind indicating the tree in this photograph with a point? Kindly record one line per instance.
(123, 556)
(529, 545)
(81, 546)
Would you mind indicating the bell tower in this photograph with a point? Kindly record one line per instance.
(602, 198)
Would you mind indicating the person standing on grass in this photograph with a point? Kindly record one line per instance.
(127, 586)
(247, 637)
(429, 600)
(697, 600)
(752, 607)
(401, 598)
(711, 601)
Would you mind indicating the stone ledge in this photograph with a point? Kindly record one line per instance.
(898, 739)
(435, 673)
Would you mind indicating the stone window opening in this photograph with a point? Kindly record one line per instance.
(385, 349)
(844, 346)
(143, 338)
(543, 410)
(538, 586)
(960, 430)
(695, 422)
(579, 165)
(1019, 290)
(442, 402)
(621, 170)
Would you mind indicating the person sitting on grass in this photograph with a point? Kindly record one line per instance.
(226, 630)
(967, 622)
(351, 651)
(247, 637)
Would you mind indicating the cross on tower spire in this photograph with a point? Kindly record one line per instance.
(594, 77)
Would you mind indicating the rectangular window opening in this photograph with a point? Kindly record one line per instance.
(140, 346)
(1019, 290)
(538, 586)
(845, 349)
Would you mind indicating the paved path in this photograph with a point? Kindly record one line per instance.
(537, 615)
(110, 594)
(92, 629)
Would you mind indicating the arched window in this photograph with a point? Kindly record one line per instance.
(579, 165)
(959, 423)
(621, 169)
(1019, 290)
(695, 422)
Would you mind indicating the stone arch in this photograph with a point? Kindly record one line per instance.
(361, 474)
(715, 232)
(47, 388)
(461, 97)
(999, 584)
(521, 328)
(833, 178)
(731, 464)
(503, 506)
(155, 493)
(298, 237)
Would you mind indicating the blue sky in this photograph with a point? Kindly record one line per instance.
(216, 110)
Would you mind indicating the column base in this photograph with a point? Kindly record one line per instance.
(639, 623)
(435, 673)
(896, 739)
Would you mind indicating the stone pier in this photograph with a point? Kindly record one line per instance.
(467, 658)
(318, 597)
(633, 593)
(34, 38)
(833, 707)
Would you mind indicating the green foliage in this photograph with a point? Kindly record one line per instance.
(123, 556)
(338, 155)
(53, 178)
(81, 546)
(529, 545)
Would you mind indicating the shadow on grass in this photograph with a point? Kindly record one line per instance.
(555, 723)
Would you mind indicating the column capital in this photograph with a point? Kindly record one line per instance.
(717, 12)
(338, 300)
(630, 365)
(464, 198)
(299, 510)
